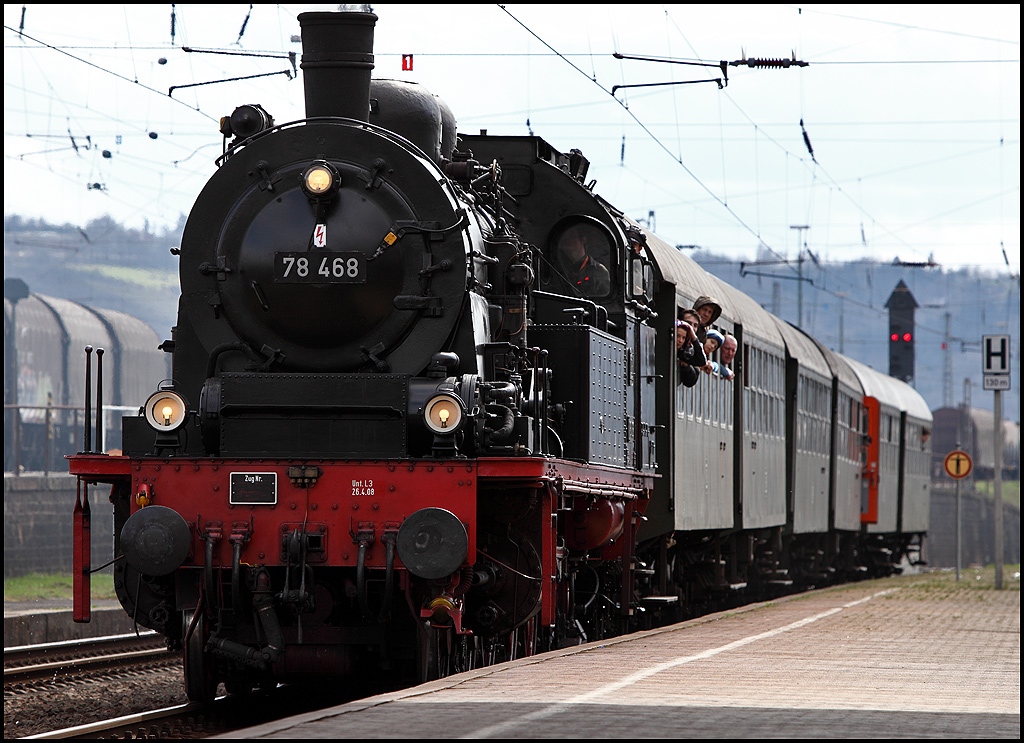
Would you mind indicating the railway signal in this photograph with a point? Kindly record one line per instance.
(901, 306)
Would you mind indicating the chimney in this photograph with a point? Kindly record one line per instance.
(337, 57)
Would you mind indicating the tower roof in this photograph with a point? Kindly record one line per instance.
(901, 298)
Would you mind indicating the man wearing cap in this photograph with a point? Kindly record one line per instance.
(590, 277)
(708, 310)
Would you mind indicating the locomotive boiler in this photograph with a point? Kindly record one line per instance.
(423, 411)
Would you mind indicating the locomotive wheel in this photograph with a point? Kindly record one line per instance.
(463, 654)
(443, 653)
(200, 675)
(433, 649)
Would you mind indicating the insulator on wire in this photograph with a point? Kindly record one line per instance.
(768, 62)
(757, 62)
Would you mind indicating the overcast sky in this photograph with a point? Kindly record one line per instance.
(912, 112)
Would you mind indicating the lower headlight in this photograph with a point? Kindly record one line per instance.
(165, 410)
(443, 413)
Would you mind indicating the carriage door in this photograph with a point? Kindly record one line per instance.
(640, 396)
(647, 385)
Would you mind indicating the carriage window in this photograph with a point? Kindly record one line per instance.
(730, 401)
(723, 400)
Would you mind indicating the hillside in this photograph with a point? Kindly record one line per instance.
(100, 265)
(844, 307)
(133, 271)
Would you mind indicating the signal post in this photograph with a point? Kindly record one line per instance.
(995, 359)
(958, 465)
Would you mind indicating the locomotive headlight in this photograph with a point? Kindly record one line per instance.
(318, 179)
(443, 413)
(165, 410)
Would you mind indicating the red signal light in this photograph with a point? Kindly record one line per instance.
(906, 337)
(894, 337)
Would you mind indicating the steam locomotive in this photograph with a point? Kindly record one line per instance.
(424, 412)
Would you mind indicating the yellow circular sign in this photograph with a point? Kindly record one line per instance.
(958, 464)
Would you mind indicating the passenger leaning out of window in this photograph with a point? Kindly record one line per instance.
(728, 354)
(715, 341)
(689, 352)
(708, 310)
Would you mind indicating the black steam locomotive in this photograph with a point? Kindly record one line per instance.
(424, 411)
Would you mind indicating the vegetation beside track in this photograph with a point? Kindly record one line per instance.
(54, 587)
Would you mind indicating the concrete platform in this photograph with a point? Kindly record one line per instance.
(917, 656)
(32, 623)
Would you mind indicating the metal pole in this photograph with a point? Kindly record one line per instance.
(99, 400)
(842, 313)
(997, 483)
(947, 364)
(49, 432)
(800, 289)
(801, 244)
(959, 521)
(88, 399)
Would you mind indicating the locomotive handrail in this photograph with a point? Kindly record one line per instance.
(603, 491)
(325, 120)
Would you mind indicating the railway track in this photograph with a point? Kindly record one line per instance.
(184, 721)
(197, 720)
(51, 670)
(31, 666)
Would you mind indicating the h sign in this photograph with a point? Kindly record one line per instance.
(995, 354)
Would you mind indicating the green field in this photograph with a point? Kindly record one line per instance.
(1010, 490)
(145, 278)
(971, 579)
(54, 586)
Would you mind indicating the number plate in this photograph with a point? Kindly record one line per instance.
(253, 488)
(319, 267)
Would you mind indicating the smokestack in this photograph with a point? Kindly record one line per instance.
(337, 57)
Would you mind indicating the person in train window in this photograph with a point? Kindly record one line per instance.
(729, 349)
(726, 355)
(715, 341)
(575, 253)
(708, 310)
(689, 352)
(712, 342)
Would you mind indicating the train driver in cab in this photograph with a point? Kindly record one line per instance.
(578, 250)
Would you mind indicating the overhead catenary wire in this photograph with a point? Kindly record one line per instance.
(646, 130)
(725, 130)
(108, 72)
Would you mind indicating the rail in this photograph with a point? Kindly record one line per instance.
(54, 662)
